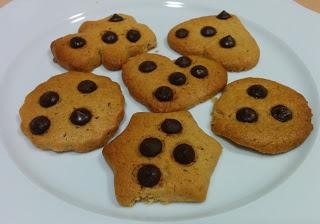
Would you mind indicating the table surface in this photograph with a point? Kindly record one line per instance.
(299, 28)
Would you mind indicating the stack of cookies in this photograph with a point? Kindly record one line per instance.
(162, 155)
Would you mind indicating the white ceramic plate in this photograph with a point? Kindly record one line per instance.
(86, 181)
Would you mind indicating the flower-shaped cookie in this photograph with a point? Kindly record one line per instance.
(162, 157)
(222, 38)
(165, 86)
(109, 41)
(74, 111)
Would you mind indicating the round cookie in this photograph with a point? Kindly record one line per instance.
(73, 111)
(162, 157)
(109, 41)
(262, 115)
(165, 86)
(220, 37)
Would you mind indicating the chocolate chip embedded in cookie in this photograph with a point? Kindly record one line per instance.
(246, 114)
(109, 41)
(184, 154)
(116, 18)
(74, 111)
(171, 126)
(149, 175)
(49, 99)
(177, 78)
(220, 37)
(150, 147)
(164, 85)
(162, 157)
(262, 115)
(227, 42)
(39, 125)
(223, 15)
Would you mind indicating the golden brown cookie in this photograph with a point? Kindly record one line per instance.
(165, 86)
(222, 38)
(73, 111)
(162, 157)
(262, 115)
(109, 41)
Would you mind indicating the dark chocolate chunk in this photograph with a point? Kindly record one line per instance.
(227, 42)
(147, 66)
(87, 86)
(150, 147)
(208, 31)
(182, 33)
(77, 42)
(281, 113)
(116, 18)
(149, 175)
(184, 154)
(80, 116)
(177, 78)
(39, 125)
(183, 61)
(247, 114)
(199, 71)
(223, 15)
(171, 126)
(257, 91)
(164, 93)
(49, 99)
(133, 35)
(109, 37)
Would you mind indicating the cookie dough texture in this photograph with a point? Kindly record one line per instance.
(142, 86)
(243, 56)
(96, 52)
(178, 183)
(106, 105)
(267, 135)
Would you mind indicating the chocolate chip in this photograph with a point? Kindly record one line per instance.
(109, 37)
(80, 116)
(182, 33)
(147, 66)
(247, 114)
(208, 31)
(49, 99)
(183, 61)
(223, 15)
(257, 91)
(39, 125)
(133, 35)
(115, 18)
(164, 93)
(199, 71)
(150, 147)
(149, 175)
(171, 126)
(281, 113)
(77, 42)
(87, 86)
(184, 154)
(227, 42)
(177, 78)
